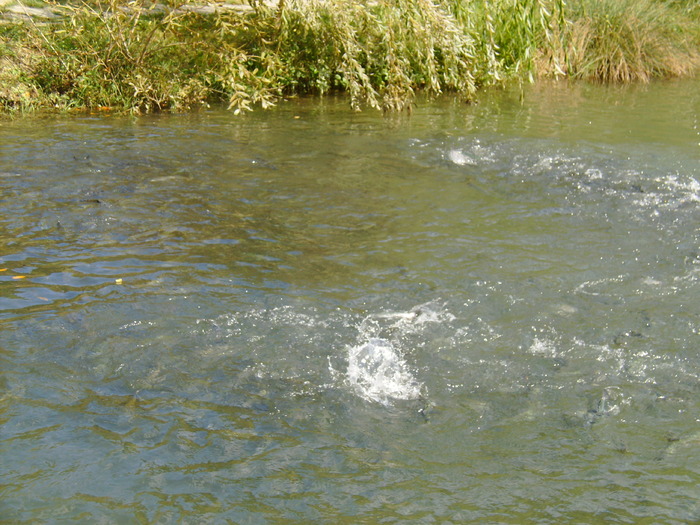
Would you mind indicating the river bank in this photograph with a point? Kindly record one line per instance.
(143, 57)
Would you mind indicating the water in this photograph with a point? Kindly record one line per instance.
(484, 313)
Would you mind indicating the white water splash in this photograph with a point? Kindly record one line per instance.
(377, 372)
(458, 157)
(543, 347)
(377, 368)
(686, 189)
(410, 322)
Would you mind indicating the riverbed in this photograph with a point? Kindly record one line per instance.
(483, 313)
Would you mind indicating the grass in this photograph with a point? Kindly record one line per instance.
(134, 55)
(634, 40)
(379, 54)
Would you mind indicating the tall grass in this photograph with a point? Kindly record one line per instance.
(513, 34)
(140, 56)
(379, 53)
(633, 40)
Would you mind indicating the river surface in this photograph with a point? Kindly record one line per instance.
(481, 313)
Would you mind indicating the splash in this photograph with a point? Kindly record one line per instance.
(377, 369)
(378, 373)
(543, 347)
(459, 158)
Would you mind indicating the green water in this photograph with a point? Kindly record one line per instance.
(473, 314)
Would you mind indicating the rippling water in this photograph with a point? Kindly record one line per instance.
(482, 313)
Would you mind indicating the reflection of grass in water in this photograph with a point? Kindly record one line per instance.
(147, 57)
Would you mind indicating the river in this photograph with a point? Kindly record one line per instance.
(482, 313)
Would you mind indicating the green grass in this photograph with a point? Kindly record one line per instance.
(33, 3)
(133, 56)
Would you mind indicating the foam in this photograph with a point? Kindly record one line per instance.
(377, 369)
(378, 372)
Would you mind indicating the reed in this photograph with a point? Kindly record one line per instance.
(633, 40)
(139, 56)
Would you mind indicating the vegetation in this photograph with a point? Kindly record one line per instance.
(141, 56)
(634, 40)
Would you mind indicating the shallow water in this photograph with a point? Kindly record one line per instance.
(484, 313)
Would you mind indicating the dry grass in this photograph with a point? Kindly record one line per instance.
(631, 40)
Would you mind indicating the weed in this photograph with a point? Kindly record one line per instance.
(141, 56)
(632, 40)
